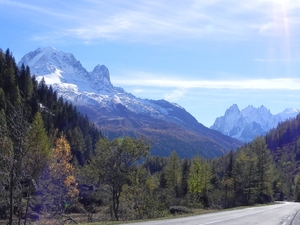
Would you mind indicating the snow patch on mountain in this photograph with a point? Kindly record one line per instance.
(250, 122)
(72, 81)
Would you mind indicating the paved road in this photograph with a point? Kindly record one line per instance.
(278, 214)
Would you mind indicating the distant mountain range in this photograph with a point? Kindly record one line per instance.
(250, 122)
(118, 113)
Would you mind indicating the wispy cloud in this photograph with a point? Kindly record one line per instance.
(182, 85)
(267, 28)
(274, 60)
(159, 20)
(175, 94)
(39, 8)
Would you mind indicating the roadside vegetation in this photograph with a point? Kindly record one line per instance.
(56, 166)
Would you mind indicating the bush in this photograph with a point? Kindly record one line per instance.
(179, 210)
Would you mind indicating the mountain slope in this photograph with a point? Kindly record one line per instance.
(119, 113)
(250, 122)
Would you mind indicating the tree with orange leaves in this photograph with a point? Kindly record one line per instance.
(60, 186)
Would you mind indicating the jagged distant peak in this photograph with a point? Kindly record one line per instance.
(48, 49)
(45, 52)
(100, 68)
(62, 69)
(47, 60)
(234, 109)
(250, 110)
(262, 107)
(250, 122)
(101, 73)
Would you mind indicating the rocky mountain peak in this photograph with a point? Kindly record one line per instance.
(249, 122)
(56, 66)
(234, 109)
(100, 75)
(252, 110)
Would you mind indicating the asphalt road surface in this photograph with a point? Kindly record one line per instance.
(278, 214)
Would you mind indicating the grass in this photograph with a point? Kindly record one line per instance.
(170, 216)
(194, 212)
(82, 218)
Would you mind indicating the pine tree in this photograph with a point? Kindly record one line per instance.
(199, 179)
(25, 83)
(297, 188)
(173, 173)
(228, 182)
(2, 99)
(77, 144)
(245, 176)
(184, 177)
(37, 150)
(264, 169)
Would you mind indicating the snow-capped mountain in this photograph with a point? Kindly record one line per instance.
(250, 122)
(117, 112)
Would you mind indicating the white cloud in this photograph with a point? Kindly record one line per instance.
(138, 90)
(267, 28)
(175, 94)
(275, 60)
(159, 20)
(182, 85)
(38, 8)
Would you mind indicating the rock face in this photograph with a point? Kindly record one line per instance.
(118, 113)
(250, 122)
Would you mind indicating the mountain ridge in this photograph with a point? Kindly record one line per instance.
(250, 122)
(118, 113)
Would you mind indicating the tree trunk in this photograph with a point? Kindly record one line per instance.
(27, 204)
(115, 205)
(11, 196)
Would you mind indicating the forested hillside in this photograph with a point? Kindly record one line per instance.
(56, 166)
(32, 117)
(21, 93)
(284, 144)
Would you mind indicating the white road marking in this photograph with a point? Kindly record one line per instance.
(222, 220)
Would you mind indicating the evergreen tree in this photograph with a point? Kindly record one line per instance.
(228, 182)
(297, 188)
(184, 177)
(264, 169)
(2, 99)
(199, 180)
(25, 83)
(77, 144)
(173, 173)
(37, 150)
(245, 175)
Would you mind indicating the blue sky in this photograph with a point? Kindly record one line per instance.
(204, 55)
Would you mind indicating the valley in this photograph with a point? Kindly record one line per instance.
(118, 113)
(120, 157)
